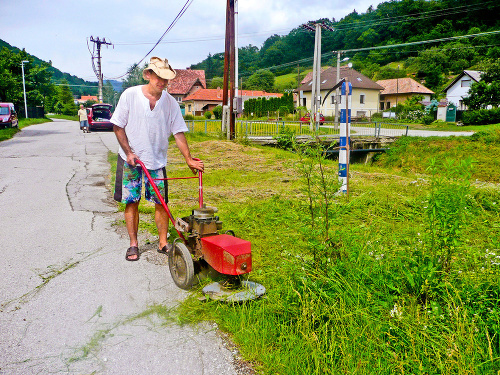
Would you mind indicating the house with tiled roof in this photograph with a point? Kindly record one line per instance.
(365, 92)
(186, 82)
(207, 99)
(397, 90)
(85, 98)
(459, 87)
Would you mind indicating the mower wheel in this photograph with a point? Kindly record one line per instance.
(181, 265)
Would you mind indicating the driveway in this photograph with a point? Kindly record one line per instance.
(69, 301)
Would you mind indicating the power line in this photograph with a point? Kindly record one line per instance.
(179, 15)
(328, 54)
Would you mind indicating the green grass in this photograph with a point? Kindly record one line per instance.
(368, 297)
(65, 117)
(10, 132)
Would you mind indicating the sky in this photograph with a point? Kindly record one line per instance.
(58, 30)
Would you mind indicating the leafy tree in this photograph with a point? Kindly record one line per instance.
(216, 82)
(108, 93)
(37, 79)
(134, 76)
(261, 80)
(66, 99)
(486, 92)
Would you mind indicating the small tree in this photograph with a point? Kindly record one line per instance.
(261, 80)
(218, 112)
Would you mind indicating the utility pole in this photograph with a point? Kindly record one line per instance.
(24, 90)
(337, 92)
(98, 42)
(316, 79)
(316, 83)
(228, 115)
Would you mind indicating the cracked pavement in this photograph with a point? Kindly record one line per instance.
(69, 298)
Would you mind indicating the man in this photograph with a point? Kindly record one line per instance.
(84, 123)
(144, 119)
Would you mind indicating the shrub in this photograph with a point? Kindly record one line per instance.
(427, 120)
(218, 112)
(481, 117)
(208, 115)
(188, 117)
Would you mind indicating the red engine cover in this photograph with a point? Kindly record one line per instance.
(227, 254)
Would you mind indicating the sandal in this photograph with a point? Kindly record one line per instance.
(131, 251)
(165, 249)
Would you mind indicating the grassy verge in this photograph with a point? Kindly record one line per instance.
(366, 291)
(65, 117)
(10, 132)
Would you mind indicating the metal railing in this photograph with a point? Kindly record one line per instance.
(250, 128)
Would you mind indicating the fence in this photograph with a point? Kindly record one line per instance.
(273, 128)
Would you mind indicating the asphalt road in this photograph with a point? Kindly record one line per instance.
(69, 302)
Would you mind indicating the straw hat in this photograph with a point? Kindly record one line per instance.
(161, 67)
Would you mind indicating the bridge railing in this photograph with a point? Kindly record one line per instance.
(272, 128)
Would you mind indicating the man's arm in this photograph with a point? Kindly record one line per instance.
(181, 141)
(121, 136)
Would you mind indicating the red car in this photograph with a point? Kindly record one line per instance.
(307, 118)
(98, 116)
(8, 116)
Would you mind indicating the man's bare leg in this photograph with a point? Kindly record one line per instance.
(161, 220)
(132, 223)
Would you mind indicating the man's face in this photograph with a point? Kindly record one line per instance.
(157, 83)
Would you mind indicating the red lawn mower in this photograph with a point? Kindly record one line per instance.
(201, 246)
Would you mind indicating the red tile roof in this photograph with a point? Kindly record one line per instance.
(185, 80)
(402, 86)
(88, 97)
(206, 94)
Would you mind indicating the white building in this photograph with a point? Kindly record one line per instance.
(459, 88)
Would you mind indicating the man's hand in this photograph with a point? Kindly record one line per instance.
(131, 159)
(196, 165)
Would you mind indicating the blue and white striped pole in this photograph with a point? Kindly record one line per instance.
(345, 136)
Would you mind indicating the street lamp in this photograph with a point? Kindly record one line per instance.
(24, 89)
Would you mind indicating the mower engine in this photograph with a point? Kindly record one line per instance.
(226, 253)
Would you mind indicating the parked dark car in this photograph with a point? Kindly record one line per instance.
(307, 118)
(99, 115)
(8, 116)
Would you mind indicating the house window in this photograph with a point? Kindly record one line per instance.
(189, 107)
(362, 99)
(388, 105)
(382, 106)
(333, 99)
(466, 83)
(304, 102)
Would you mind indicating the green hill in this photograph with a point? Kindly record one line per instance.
(77, 84)
(390, 23)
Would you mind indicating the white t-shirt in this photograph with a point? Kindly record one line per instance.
(148, 130)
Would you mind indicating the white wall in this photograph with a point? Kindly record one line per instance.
(456, 92)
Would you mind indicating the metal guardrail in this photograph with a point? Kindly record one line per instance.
(250, 128)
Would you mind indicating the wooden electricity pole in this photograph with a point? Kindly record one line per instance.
(229, 69)
(98, 43)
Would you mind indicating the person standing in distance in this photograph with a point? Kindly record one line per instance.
(144, 119)
(84, 123)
